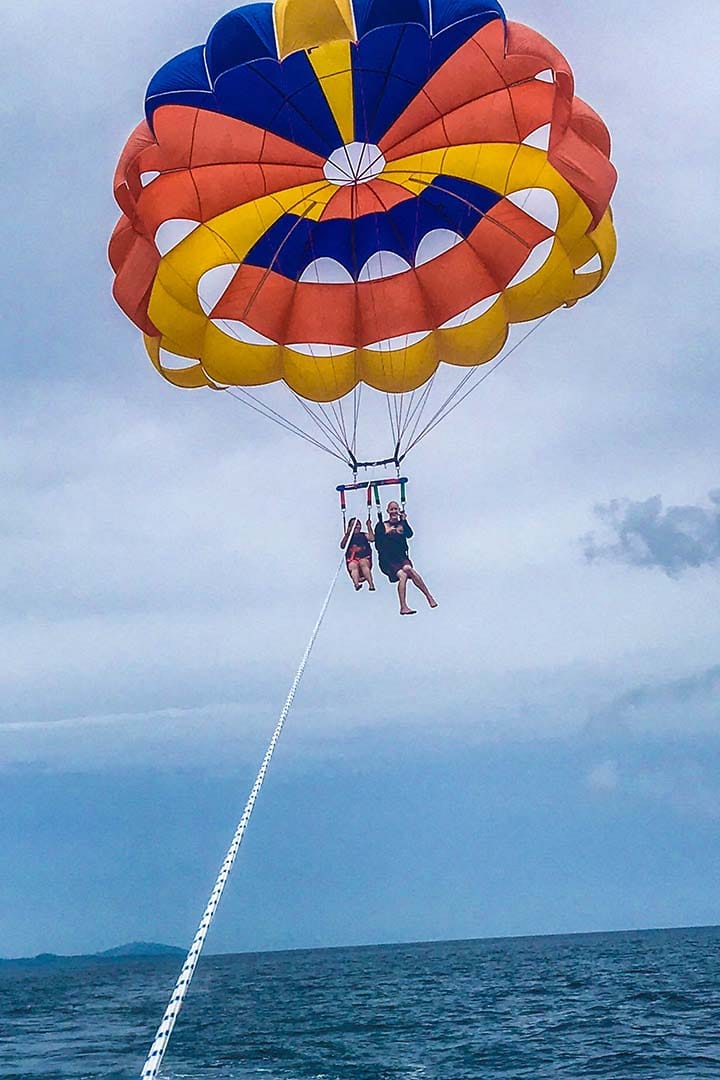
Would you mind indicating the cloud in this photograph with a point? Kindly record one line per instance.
(603, 777)
(684, 787)
(689, 704)
(681, 786)
(673, 540)
(164, 738)
(166, 549)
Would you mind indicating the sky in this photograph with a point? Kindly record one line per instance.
(540, 754)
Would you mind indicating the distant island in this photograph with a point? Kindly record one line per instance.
(135, 949)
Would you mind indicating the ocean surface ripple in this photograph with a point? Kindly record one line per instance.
(609, 1006)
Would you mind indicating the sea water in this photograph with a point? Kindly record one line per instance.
(610, 1006)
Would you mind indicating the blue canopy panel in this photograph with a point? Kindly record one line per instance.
(390, 66)
(449, 35)
(393, 60)
(434, 15)
(242, 35)
(447, 12)
(182, 81)
(284, 97)
(238, 73)
(292, 243)
(371, 14)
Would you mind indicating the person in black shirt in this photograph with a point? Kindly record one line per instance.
(358, 554)
(391, 539)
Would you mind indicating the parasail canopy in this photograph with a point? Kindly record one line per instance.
(352, 192)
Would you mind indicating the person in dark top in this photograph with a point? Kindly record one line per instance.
(391, 539)
(358, 553)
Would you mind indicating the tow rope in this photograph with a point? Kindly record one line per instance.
(154, 1061)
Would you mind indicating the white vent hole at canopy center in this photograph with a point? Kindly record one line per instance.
(354, 163)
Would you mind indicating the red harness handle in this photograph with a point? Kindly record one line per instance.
(372, 486)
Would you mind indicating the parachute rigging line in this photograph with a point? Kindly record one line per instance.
(339, 443)
(450, 404)
(322, 420)
(264, 410)
(325, 423)
(475, 376)
(357, 398)
(155, 1057)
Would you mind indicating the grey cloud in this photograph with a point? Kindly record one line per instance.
(684, 786)
(644, 534)
(689, 704)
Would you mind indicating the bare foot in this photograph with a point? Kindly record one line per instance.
(407, 611)
(432, 601)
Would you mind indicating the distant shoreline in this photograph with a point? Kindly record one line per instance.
(154, 950)
(135, 950)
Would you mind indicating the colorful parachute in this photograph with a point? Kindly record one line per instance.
(353, 191)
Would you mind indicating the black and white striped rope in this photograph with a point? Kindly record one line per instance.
(154, 1061)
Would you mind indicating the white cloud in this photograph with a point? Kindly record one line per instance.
(684, 787)
(680, 784)
(687, 705)
(604, 776)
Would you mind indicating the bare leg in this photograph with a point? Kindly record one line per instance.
(402, 593)
(420, 584)
(354, 570)
(366, 573)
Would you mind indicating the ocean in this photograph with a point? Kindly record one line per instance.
(610, 1006)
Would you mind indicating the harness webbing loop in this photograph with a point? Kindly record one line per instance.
(371, 487)
(151, 1067)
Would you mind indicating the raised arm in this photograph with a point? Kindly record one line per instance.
(346, 536)
(370, 532)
